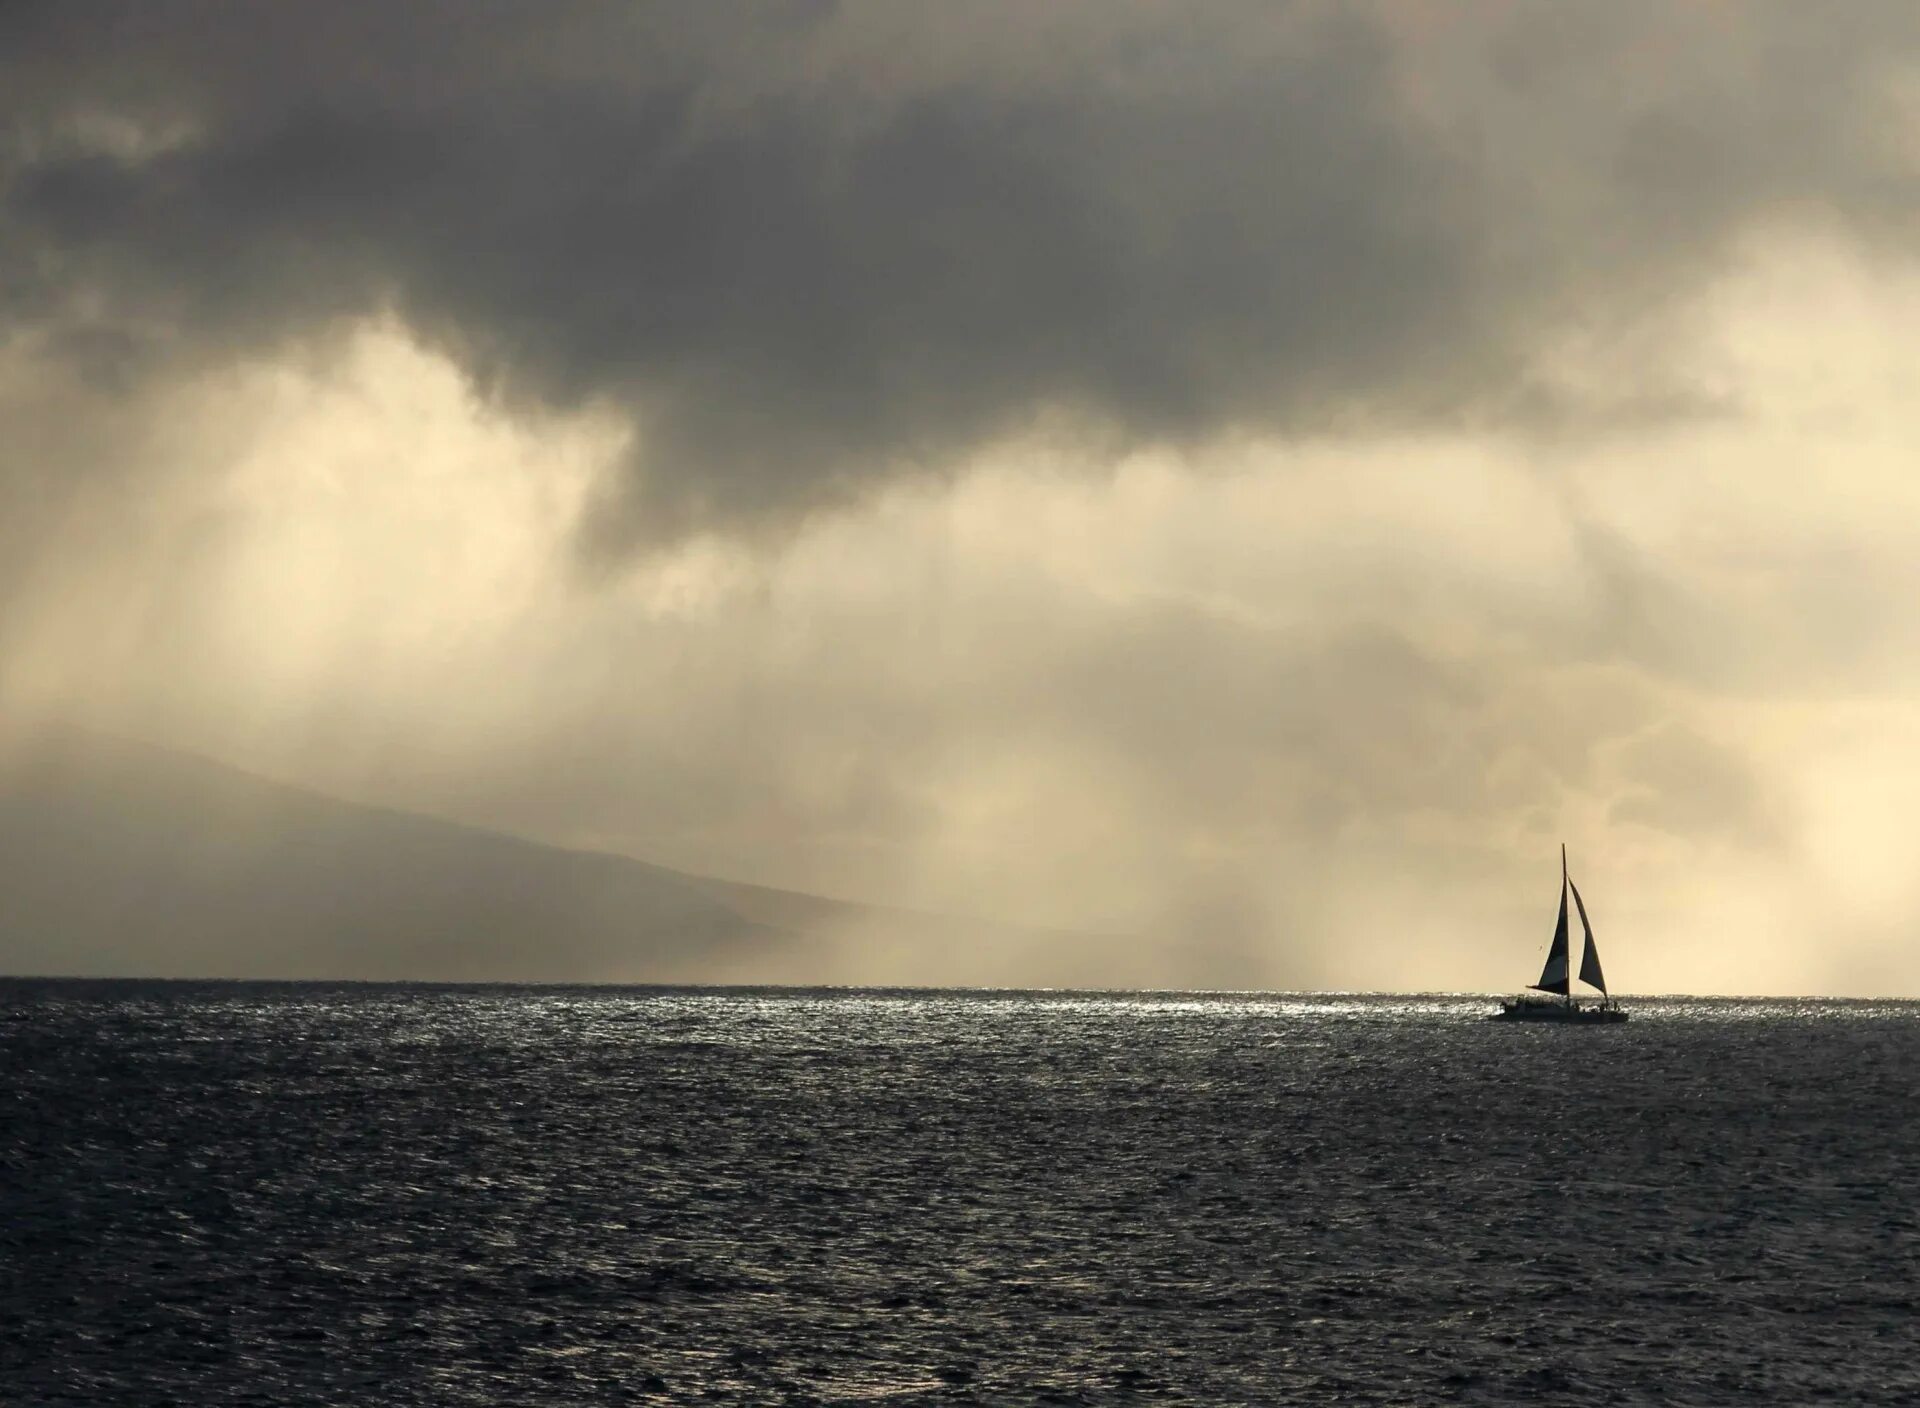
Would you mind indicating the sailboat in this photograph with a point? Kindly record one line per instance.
(1555, 977)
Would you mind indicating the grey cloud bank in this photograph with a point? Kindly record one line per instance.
(805, 248)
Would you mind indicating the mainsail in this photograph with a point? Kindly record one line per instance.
(1553, 977)
(1589, 961)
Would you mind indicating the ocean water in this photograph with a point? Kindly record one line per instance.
(347, 1195)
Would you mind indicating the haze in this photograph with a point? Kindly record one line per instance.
(1247, 479)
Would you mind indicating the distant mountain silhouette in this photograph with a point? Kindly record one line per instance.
(121, 858)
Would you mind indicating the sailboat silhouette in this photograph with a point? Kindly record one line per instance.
(1555, 976)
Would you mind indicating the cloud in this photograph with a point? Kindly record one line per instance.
(805, 251)
(1678, 780)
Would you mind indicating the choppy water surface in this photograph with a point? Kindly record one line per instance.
(216, 1194)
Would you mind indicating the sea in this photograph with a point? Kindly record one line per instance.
(238, 1193)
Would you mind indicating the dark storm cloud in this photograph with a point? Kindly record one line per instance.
(806, 248)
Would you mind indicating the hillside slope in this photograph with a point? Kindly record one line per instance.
(120, 858)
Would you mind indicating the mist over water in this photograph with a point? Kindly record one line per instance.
(249, 1193)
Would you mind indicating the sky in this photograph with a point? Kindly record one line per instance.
(1256, 478)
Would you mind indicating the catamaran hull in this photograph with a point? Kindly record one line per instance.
(1556, 1012)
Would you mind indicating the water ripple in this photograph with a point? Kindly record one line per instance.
(252, 1193)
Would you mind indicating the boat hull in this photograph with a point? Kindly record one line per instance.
(1557, 1012)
